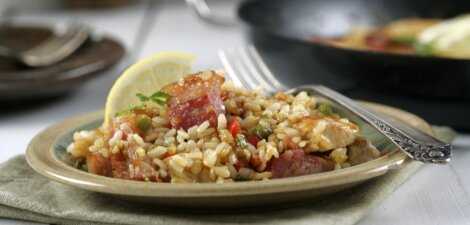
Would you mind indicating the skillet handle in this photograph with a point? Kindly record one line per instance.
(203, 10)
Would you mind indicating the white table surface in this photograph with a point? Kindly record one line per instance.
(434, 195)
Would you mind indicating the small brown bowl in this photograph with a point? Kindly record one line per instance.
(21, 82)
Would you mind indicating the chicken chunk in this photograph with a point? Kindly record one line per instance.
(361, 151)
(326, 133)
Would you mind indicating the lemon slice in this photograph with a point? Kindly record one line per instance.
(146, 77)
(450, 38)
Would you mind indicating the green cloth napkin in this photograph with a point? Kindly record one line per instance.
(26, 195)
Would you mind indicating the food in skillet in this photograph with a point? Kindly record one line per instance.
(412, 36)
(203, 129)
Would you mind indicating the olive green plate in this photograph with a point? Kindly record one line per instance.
(46, 150)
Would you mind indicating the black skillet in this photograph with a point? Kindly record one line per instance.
(278, 24)
(425, 85)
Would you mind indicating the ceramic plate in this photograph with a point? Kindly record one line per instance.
(45, 155)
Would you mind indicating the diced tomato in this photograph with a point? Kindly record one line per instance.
(255, 161)
(241, 163)
(234, 127)
(253, 140)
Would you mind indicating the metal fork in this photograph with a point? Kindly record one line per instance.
(52, 50)
(245, 67)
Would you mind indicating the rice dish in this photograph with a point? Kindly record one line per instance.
(203, 129)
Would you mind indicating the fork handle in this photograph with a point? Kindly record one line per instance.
(416, 144)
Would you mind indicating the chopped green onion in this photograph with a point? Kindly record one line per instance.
(144, 123)
(325, 109)
(262, 131)
(241, 141)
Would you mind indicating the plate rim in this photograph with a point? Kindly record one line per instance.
(41, 157)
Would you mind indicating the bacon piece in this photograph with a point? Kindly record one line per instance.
(196, 98)
(125, 163)
(97, 164)
(120, 166)
(295, 162)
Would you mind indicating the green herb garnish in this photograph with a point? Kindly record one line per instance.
(142, 97)
(129, 110)
(325, 109)
(158, 97)
(241, 141)
(262, 131)
(160, 94)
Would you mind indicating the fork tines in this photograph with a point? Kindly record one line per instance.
(246, 68)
